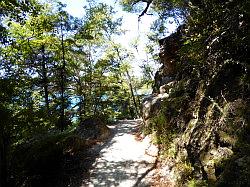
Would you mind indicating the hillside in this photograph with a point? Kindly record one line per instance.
(199, 111)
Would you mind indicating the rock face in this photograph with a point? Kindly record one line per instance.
(202, 121)
(169, 47)
(152, 104)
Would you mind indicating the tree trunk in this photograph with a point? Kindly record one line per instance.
(132, 93)
(45, 80)
(81, 108)
(130, 84)
(97, 101)
(62, 83)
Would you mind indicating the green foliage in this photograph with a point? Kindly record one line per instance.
(161, 125)
(197, 183)
(174, 9)
(56, 71)
(204, 109)
(41, 159)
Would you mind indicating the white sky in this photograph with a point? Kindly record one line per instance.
(130, 20)
(130, 23)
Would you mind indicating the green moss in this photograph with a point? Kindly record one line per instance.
(197, 183)
(161, 126)
(236, 172)
(184, 170)
(171, 151)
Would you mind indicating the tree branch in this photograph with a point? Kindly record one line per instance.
(146, 9)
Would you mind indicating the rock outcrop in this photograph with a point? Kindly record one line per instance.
(169, 48)
(93, 128)
(201, 118)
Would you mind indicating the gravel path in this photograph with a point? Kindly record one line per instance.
(123, 161)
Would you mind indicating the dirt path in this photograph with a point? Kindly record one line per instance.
(123, 161)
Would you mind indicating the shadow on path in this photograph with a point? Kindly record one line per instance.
(119, 161)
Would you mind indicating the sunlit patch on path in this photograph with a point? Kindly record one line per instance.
(122, 161)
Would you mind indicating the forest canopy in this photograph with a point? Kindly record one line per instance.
(57, 70)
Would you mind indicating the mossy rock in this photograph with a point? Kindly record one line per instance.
(73, 144)
(93, 128)
(236, 173)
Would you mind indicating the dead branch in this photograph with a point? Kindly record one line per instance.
(146, 8)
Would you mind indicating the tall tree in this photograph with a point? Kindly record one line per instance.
(15, 11)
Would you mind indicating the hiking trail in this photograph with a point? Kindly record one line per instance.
(123, 160)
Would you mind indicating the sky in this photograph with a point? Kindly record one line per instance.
(130, 20)
(134, 28)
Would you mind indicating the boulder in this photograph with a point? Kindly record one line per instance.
(93, 128)
(152, 104)
(169, 47)
(167, 87)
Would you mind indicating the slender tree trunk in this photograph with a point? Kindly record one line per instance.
(84, 103)
(97, 101)
(130, 84)
(140, 108)
(45, 80)
(81, 105)
(80, 93)
(62, 82)
(132, 93)
(91, 83)
(84, 97)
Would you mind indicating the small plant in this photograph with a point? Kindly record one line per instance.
(197, 183)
